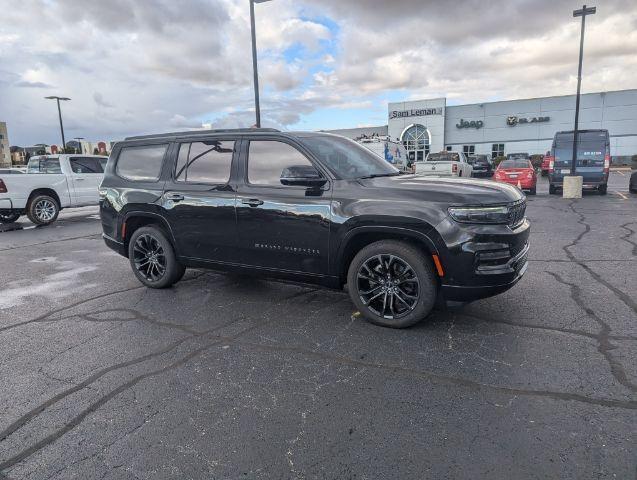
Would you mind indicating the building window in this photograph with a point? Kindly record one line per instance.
(497, 150)
(416, 139)
(468, 150)
(448, 148)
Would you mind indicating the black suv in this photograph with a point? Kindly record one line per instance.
(310, 207)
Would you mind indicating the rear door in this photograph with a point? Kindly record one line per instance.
(86, 175)
(199, 199)
(592, 148)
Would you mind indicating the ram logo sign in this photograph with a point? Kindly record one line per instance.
(512, 121)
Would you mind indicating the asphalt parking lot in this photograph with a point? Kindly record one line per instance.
(234, 377)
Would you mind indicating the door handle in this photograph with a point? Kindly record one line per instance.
(253, 202)
(175, 197)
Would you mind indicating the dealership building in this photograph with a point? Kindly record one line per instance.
(498, 128)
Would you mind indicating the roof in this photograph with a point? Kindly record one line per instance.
(194, 133)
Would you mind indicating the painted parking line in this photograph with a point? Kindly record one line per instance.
(621, 195)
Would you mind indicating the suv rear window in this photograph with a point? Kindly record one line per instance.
(141, 163)
(443, 157)
(205, 162)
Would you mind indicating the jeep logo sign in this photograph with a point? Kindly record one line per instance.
(471, 124)
(513, 120)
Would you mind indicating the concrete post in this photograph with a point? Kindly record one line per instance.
(572, 187)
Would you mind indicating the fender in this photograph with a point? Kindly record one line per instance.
(145, 213)
(407, 232)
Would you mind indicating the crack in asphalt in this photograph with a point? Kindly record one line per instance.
(602, 402)
(75, 421)
(626, 237)
(626, 299)
(604, 345)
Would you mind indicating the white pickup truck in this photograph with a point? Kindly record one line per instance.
(52, 182)
(447, 164)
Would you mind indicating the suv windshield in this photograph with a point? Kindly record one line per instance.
(443, 157)
(347, 159)
(517, 163)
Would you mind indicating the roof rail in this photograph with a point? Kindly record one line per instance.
(201, 132)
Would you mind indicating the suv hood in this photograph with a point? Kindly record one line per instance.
(452, 191)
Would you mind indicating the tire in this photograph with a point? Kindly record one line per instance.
(403, 260)
(43, 209)
(632, 188)
(152, 258)
(602, 189)
(552, 190)
(533, 191)
(9, 217)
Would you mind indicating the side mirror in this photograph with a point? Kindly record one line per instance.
(302, 175)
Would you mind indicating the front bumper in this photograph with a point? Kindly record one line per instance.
(481, 260)
(113, 244)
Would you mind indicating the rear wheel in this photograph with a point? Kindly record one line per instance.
(552, 190)
(9, 217)
(43, 209)
(152, 258)
(602, 189)
(533, 191)
(392, 284)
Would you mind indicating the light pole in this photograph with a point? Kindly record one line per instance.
(257, 108)
(79, 141)
(579, 13)
(54, 97)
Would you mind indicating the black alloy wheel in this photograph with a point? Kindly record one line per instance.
(392, 283)
(149, 258)
(152, 258)
(388, 285)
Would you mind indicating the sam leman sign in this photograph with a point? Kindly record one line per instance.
(418, 112)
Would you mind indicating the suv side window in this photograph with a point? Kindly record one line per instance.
(205, 162)
(141, 163)
(86, 165)
(268, 158)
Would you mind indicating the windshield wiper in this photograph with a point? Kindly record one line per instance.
(376, 175)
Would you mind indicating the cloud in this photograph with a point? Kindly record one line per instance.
(135, 67)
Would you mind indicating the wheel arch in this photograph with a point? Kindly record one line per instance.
(137, 219)
(360, 237)
(44, 191)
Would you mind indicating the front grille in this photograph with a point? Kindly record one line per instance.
(517, 211)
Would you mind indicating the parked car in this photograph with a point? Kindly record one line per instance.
(546, 163)
(519, 172)
(52, 182)
(592, 162)
(632, 184)
(481, 165)
(513, 156)
(448, 164)
(310, 207)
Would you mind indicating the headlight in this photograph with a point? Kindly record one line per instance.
(480, 214)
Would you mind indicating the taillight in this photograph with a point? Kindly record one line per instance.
(606, 163)
(551, 164)
(454, 167)
(3, 187)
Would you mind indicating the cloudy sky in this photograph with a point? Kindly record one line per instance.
(137, 66)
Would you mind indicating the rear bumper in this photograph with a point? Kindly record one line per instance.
(524, 184)
(113, 244)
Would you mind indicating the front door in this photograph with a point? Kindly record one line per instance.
(199, 200)
(281, 227)
(87, 173)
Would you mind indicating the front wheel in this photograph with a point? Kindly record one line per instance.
(153, 259)
(9, 217)
(43, 209)
(392, 284)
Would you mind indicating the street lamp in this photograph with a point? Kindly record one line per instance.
(579, 13)
(79, 141)
(254, 62)
(54, 97)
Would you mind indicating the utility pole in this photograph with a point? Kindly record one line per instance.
(257, 107)
(579, 13)
(54, 97)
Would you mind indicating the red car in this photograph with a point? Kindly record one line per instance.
(518, 172)
(546, 164)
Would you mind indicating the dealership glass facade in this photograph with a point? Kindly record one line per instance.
(498, 128)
